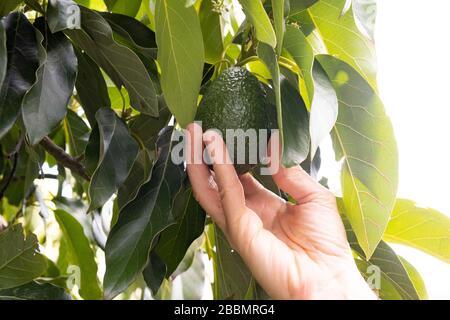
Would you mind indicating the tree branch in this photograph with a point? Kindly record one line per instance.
(7, 180)
(64, 159)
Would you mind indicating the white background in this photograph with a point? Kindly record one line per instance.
(413, 44)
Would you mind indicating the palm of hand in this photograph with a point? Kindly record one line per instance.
(309, 234)
(294, 251)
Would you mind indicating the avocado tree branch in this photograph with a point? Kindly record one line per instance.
(64, 159)
(15, 158)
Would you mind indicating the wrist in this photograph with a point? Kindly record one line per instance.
(345, 285)
(352, 286)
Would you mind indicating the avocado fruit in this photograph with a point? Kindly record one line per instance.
(235, 100)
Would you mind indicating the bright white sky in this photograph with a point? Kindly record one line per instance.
(413, 48)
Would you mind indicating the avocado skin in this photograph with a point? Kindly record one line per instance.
(235, 100)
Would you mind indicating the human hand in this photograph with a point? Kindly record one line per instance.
(293, 251)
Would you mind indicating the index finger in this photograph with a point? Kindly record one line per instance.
(230, 187)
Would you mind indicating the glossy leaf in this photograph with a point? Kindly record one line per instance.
(147, 128)
(392, 268)
(279, 23)
(363, 137)
(91, 87)
(297, 6)
(139, 174)
(416, 279)
(35, 291)
(121, 64)
(194, 279)
(45, 104)
(142, 220)
(154, 273)
(212, 32)
(78, 252)
(3, 54)
(117, 153)
(22, 65)
(298, 47)
(35, 5)
(180, 56)
(384, 258)
(62, 15)
(255, 13)
(126, 7)
(134, 34)
(176, 239)
(232, 279)
(324, 108)
(268, 56)
(20, 261)
(77, 133)
(422, 228)
(295, 125)
(342, 38)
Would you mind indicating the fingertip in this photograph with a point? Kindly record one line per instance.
(216, 147)
(194, 142)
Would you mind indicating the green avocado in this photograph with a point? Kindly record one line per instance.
(236, 100)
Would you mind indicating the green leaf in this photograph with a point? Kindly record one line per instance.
(126, 7)
(176, 239)
(363, 137)
(22, 65)
(35, 5)
(232, 279)
(146, 128)
(342, 38)
(268, 56)
(255, 13)
(298, 47)
(212, 32)
(297, 6)
(399, 285)
(118, 151)
(154, 273)
(142, 220)
(139, 174)
(422, 228)
(194, 279)
(78, 252)
(121, 64)
(93, 4)
(180, 56)
(292, 115)
(416, 279)
(6, 6)
(295, 125)
(20, 261)
(324, 108)
(3, 54)
(134, 34)
(62, 15)
(35, 291)
(392, 268)
(45, 104)
(77, 133)
(91, 87)
(279, 23)
(26, 171)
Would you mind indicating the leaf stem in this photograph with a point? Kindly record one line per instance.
(247, 60)
(284, 62)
